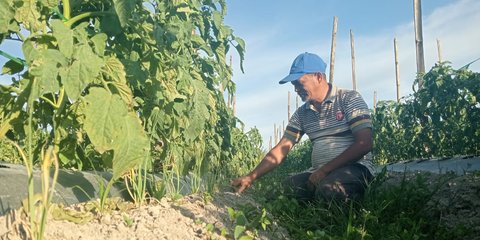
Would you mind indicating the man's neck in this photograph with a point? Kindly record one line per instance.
(324, 94)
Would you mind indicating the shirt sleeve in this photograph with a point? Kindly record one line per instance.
(294, 131)
(356, 111)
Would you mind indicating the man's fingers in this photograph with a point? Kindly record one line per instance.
(241, 189)
(241, 186)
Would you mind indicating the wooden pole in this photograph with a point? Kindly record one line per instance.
(288, 105)
(279, 134)
(439, 50)
(374, 101)
(332, 50)
(417, 9)
(397, 68)
(352, 47)
(296, 103)
(275, 133)
(229, 102)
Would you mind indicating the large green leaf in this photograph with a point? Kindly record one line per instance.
(11, 67)
(45, 68)
(116, 72)
(110, 126)
(124, 9)
(99, 43)
(49, 3)
(6, 15)
(29, 15)
(64, 36)
(241, 51)
(83, 71)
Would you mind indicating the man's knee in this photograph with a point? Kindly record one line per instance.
(339, 191)
(345, 183)
(295, 186)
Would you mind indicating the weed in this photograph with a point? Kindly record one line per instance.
(127, 220)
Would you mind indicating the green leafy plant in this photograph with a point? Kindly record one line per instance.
(438, 120)
(114, 83)
(128, 220)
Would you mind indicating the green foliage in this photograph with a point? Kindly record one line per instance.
(248, 218)
(390, 210)
(8, 152)
(438, 120)
(297, 160)
(112, 83)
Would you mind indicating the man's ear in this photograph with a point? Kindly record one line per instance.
(319, 77)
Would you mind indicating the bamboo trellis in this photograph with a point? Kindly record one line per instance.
(332, 50)
(397, 68)
(417, 17)
(352, 49)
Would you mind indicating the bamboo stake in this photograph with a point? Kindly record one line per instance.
(397, 68)
(279, 134)
(275, 133)
(439, 50)
(332, 50)
(374, 101)
(228, 100)
(352, 47)
(288, 107)
(296, 103)
(270, 144)
(417, 17)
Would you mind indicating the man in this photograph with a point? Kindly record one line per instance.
(338, 123)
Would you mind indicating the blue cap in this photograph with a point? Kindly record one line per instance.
(305, 63)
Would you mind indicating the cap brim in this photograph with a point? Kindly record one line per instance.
(291, 77)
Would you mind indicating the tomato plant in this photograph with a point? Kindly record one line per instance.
(439, 120)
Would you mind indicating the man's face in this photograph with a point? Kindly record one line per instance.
(305, 86)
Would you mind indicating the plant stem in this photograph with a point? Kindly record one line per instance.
(66, 9)
(29, 162)
(15, 59)
(79, 17)
(48, 101)
(60, 104)
(57, 11)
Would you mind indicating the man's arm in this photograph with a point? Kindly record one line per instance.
(273, 158)
(362, 145)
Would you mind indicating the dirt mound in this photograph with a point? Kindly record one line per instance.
(192, 217)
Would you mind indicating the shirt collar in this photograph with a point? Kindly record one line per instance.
(331, 95)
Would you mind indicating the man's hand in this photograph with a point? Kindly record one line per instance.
(241, 183)
(316, 177)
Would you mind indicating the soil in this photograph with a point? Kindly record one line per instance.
(191, 217)
(206, 216)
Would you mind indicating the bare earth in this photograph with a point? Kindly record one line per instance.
(199, 217)
(192, 217)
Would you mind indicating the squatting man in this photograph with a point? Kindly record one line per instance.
(338, 123)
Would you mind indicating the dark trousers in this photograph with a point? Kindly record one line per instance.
(347, 182)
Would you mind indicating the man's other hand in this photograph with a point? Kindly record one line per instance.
(241, 183)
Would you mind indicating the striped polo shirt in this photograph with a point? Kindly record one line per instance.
(331, 127)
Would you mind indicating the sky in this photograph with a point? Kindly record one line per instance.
(275, 32)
